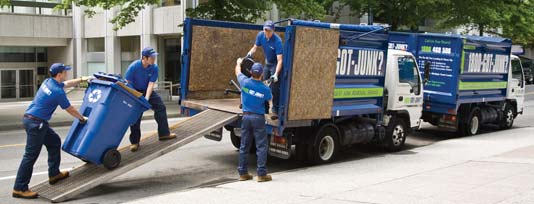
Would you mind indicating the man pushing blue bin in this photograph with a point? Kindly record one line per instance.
(111, 107)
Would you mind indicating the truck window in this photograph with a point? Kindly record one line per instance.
(408, 73)
(517, 71)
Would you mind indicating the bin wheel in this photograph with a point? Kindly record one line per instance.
(111, 159)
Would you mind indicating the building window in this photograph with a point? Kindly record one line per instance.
(95, 45)
(170, 2)
(94, 67)
(23, 54)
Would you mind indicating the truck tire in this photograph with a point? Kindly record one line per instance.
(395, 135)
(508, 120)
(111, 159)
(472, 125)
(326, 145)
(236, 142)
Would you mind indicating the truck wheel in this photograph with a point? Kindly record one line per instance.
(395, 135)
(236, 141)
(508, 120)
(326, 145)
(472, 125)
(111, 159)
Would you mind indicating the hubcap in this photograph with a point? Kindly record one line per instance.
(474, 125)
(326, 147)
(509, 118)
(398, 135)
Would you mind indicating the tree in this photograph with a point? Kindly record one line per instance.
(505, 18)
(229, 10)
(251, 10)
(396, 13)
(518, 25)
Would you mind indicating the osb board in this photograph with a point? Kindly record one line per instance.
(214, 51)
(313, 73)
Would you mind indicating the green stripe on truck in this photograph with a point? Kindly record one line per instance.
(482, 85)
(343, 93)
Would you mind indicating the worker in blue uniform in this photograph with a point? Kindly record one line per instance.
(254, 94)
(271, 44)
(143, 74)
(38, 131)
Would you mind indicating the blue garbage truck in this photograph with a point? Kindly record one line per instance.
(340, 85)
(470, 81)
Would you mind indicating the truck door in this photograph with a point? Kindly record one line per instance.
(516, 83)
(407, 94)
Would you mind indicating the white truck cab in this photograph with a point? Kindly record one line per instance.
(516, 85)
(404, 87)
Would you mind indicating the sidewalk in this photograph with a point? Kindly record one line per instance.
(12, 112)
(491, 168)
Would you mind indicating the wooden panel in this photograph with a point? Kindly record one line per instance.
(213, 55)
(313, 73)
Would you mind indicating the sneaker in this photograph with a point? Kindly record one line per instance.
(54, 179)
(265, 178)
(134, 147)
(245, 177)
(27, 194)
(168, 137)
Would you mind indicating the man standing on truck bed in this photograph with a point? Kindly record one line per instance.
(254, 94)
(38, 131)
(272, 49)
(142, 74)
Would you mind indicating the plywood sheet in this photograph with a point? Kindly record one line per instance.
(214, 51)
(313, 73)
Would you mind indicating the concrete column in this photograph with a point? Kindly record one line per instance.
(79, 44)
(112, 44)
(148, 39)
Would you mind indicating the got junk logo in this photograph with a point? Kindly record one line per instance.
(94, 96)
(360, 62)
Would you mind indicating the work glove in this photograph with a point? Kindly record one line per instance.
(274, 78)
(249, 55)
(147, 98)
(84, 121)
(239, 60)
(88, 78)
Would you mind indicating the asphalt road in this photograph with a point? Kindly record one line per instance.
(199, 164)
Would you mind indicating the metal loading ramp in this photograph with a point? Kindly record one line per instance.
(88, 176)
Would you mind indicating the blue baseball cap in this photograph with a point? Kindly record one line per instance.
(269, 25)
(149, 52)
(59, 67)
(256, 69)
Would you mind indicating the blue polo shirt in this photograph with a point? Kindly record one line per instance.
(253, 94)
(271, 47)
(139, 76)
(48, 97)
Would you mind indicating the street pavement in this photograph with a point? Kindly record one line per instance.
(436, 167)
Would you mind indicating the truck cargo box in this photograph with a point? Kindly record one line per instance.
(463, 69)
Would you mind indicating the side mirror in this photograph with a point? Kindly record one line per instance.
(427, 72)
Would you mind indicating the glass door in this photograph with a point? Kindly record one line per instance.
(17, 84)
(26, 83)
(8, 84)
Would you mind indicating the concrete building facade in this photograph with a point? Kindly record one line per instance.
(34, 36)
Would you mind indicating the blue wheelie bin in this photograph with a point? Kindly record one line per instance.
(111, 107)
